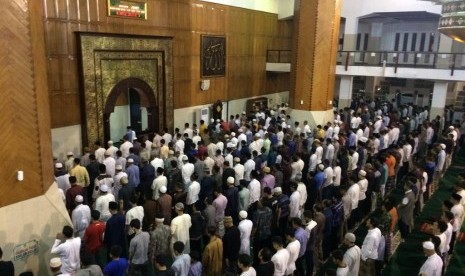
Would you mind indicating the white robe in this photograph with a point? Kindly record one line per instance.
(245, 227)
(180, 231)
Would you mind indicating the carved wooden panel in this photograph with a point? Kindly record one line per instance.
(250, 32)
(24, 105)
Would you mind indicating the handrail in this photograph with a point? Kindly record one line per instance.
(396, 59)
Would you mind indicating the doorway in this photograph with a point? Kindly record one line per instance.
(131, 102)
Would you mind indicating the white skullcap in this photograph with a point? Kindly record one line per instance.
(79, 198)
(163, 189)
(110, 142)
(230, 180)
(362, 173)
(350, 237)
(119, 167)
(55, 262)
(185, 158)
(428, 245)
(243, 214)
(443, 146)
(321, 166)
(58, 165)
(108, 152)
(104, 188)
(130, 160)
(70, 153)
(277, 190)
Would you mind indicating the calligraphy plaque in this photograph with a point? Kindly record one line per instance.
(213, 56)
(127, 9)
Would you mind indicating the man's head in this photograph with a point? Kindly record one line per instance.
(67, 231)
(228, 222)
(178, 248)
(277, 242)
(135, 224)
(244, 261)
(55, 264)
(349, 239)
(95, 215)
(428, 248)
(115, 251)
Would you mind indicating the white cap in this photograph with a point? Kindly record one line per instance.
(108, 152)
(243, 214)
(230, 180)
(119, 167)
(58, 165)
(233, 134)
(70, 153)
(79, 198)
(185, 158)
(277, 190)
(257, 135)
(350, 237)
(428, 245)
(170, 152)
(321, 166)
(110, 142)
(104, 188)
(130, 160)
(163, 189)
(55, 262)
(362, 173)
(443, 146)
(237, 159)
(451, 127)
(363, 139)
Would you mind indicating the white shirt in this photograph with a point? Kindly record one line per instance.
(179, 146)
(239, 169)
(312, 162)
(69, 254)
(328, 176)
(124, 148)
(187, 170)
(352, 259)
(294, 249)
(193, 193)
(100, 155)
(302, 189)
(330, 153)
(319, 154)
(363, 184)
(180, 230)
(280, 260)
(354, 193)
(136, 212)
(371, 244)
(342, 271)
(337, 174)
(249, 166)
(250, 272)
(157, 163)
(255, 189)
(245, 227)
(294, 205)
(157, 183)
(354, 161)
(81, 219)
(110, 164)
(458, 212)
(101, 204)
(432, 266)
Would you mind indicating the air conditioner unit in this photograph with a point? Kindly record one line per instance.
(202, 114)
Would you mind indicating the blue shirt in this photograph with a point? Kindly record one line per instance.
(133, 175)
(319, 179)
(116, 267)
(301, 236)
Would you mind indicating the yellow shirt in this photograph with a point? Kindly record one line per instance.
(81, 174)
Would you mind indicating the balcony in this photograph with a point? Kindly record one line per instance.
(278, 61)
(427, 65)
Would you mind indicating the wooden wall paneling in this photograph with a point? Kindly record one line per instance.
(53, 70)
(49, 9)
(73, 10)
(94, 11)
(159, 13)
(84, 10)
(62, 9)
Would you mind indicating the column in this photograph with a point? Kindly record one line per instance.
(345, 91)
(439, 99)
(350, 34)
(315, 41)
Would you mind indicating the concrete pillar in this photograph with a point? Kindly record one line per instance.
(439, 99)
(345, 91)
(370, 87)
(376, 33)
(350, 34)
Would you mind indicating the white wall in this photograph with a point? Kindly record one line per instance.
(390, 30)
(285, 9)
(119, 120)
(66, 139)
(186, 115)
(36, 219)
(258, 5)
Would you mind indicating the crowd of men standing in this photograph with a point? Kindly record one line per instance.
(258, 194)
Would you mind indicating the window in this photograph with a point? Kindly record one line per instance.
(359, 38)
(396, 42)
(414, 42)
(365, 42)
(422, 42)
(405, 42)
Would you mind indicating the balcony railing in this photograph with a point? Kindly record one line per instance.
(278, 56)
(433, 60)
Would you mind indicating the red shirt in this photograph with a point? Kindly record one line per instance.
(93, 237)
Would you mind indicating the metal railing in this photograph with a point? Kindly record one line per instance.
(278, 56)
(433, 60)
